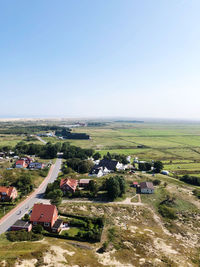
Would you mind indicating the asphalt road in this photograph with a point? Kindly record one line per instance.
(37, 196)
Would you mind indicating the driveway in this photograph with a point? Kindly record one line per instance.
(37, 196)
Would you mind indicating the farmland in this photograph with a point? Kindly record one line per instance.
(177, 145)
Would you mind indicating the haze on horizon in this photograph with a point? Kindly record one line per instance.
(103, 58)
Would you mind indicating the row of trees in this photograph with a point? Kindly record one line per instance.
(147, 166)
(191, 179)
(119, 157)
(49, 151)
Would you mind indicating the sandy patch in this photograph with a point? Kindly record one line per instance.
(133, 229)
(161, 245)
(26, 263)
(55, 257)
(107, 259)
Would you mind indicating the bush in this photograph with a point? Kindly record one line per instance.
(167, 212)
(196, 192)
(22, 235)
(37, 229)
(156, 182)
(191, 179)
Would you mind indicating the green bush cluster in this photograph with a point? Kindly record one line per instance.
(191, 179)
(167, 212)
(22, 235)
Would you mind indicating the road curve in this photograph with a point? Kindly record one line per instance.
(37, 196)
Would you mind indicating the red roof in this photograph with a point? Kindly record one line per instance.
(43, 213)
(20, 161)
(135, 182)
(7, 190)
(70, 182)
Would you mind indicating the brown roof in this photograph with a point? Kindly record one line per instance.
(70, 182)
(84, 181)
(7, 190)
(42, 213)
(144, 185)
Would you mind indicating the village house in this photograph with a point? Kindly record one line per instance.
(36, 166)
(8, 193)
(21, 225)
(47, 216)
(21, 163)
(98, 171)
(69, 185)
(28, 160)
(106, 166)
(84, 183)
(146, 188)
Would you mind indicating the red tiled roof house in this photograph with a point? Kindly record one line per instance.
(8, 193)
(68, 185)
(21, 163)
(46, 215)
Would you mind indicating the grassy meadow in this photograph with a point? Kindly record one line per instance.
(177, 145)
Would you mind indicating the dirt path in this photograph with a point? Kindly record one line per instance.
(127, 201)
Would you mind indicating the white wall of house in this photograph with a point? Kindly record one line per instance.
(147, 191)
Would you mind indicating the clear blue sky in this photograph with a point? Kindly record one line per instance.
(93, 58)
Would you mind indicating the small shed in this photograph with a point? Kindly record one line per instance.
(21, 225)
(135, 184)
(84, 183)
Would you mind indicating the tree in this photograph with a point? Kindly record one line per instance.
(113, 188)
(107, 156)
(56, 201)
(96, 156)
(158, 166)
(93, 187)
(144, 166)
(122, 185)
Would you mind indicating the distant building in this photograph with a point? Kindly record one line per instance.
(165, 172)
(36, 165)
(106, 166)
(146, 188)
(8, 193)
(84, 183)
(21, 164)
(28, 160)
(135, 184)
(68, 184)
(47, 216)
(98, 171)
(21, 225)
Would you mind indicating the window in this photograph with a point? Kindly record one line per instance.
(34, 223)
(46, 224)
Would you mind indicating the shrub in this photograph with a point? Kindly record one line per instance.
(37, 229)
(196, 192)
(156, 182)
(167, 212)
(22, 235)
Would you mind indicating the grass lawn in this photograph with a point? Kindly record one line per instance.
(73, 231)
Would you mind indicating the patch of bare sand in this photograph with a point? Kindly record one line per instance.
(108, 259)
(161, 245)
(55, 257)
(26, 263)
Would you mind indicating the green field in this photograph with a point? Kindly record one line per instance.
(176, 144)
